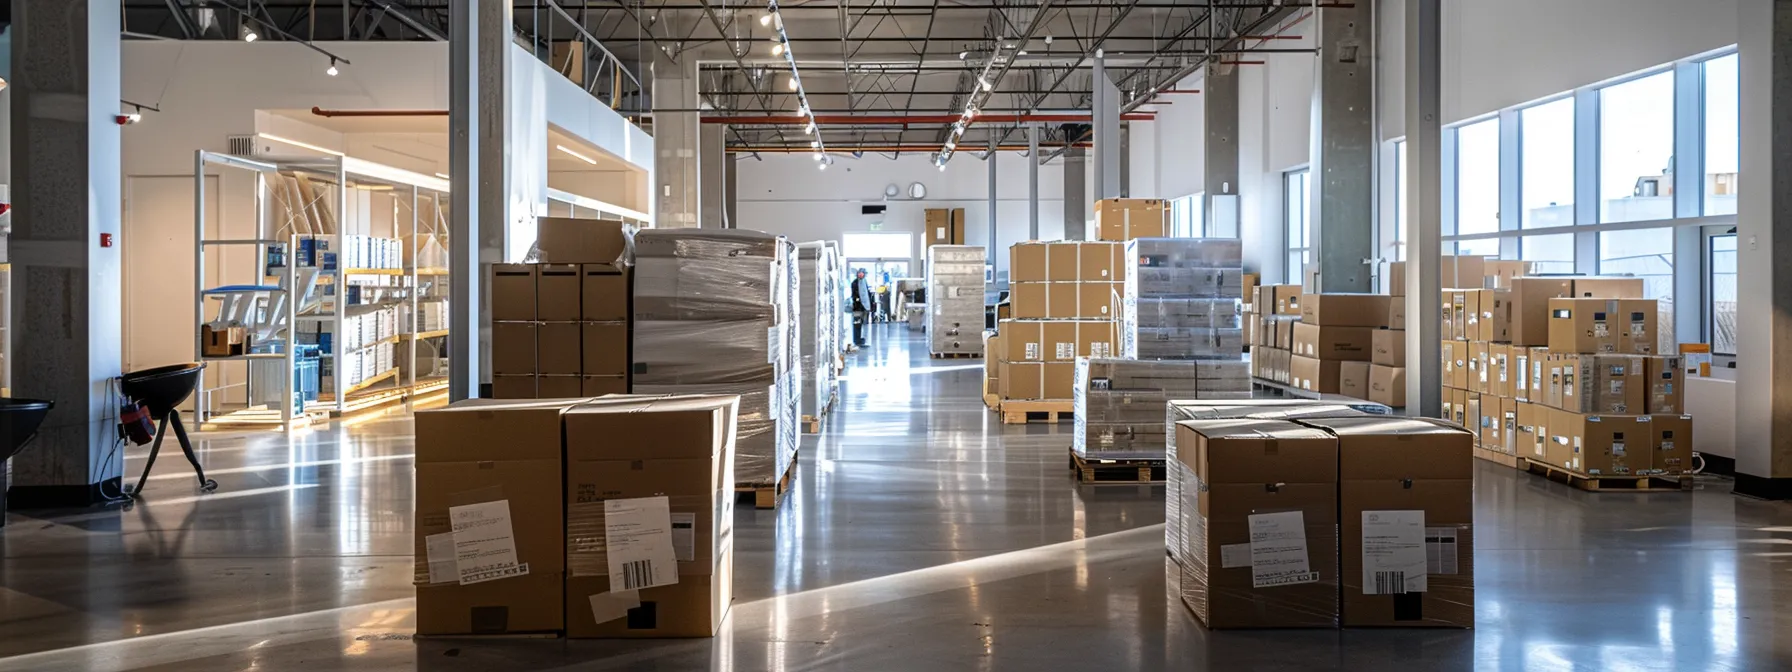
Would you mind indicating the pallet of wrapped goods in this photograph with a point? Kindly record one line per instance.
(955, 296)
(1119, 407)
(818, 301)
(1184, 299)
(714, 314)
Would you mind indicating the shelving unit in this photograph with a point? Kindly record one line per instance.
(308, 212)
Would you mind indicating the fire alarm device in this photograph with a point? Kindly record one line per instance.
(105, 240)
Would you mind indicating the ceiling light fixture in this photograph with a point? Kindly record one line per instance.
(332, 71)
(964, 55)
(778, 49)
(249, 35)
(576, 155)
(765, 20)
(790, 83)
(784, 48)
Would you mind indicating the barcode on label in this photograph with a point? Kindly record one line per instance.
(636, 574)
(1390, 583)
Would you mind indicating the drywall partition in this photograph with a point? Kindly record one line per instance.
(1180, 132)
(785, 194)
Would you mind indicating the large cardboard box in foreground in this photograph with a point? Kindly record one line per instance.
(1256, 556)
(1406, 515)
(649, 516)
(490, 543)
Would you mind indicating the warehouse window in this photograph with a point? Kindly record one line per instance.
(1478, 186)
(1297, 210)
(1723, 294)
(1723, 140)
(1400, 205)
(876, 245)
(1546, 183)
(1647, 254)
(1636, 150)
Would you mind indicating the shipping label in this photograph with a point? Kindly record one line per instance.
(1441, 551)
(1394, 552)
(638, 534)
(484, 544)
(1279, 550)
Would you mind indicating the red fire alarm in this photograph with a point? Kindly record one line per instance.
(105, 240)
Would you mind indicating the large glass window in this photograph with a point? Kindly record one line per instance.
(1636, 150)
(1400, 205)
(1297, 209)
(1723, 141)
(1647, 254)
(1546, 183)
(1478, 186)
(1723, 294)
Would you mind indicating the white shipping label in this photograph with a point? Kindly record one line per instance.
(484, 546)
(440, 549)
(684, 536)
(638, 536)
(1279, 550)
(1235, 555)
(1440, 550)
(1393, 552)
(939, 232)
(1032, 351)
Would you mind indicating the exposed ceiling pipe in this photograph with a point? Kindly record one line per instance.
(911, 119)
(838, 149)
(378, 113)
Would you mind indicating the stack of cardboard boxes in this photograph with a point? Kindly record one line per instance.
(1273, 309)
(1064, 298)
(945, 226)
(1334, 342)
(1368, 522)
(562, 327)
(595, 518)
(1123, 219)
(955, 281)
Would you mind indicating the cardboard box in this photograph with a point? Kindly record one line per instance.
(1664, 378)
(1602, 326)
(1672, 453)
(1509, 426)
(1454, 272)
(1099, 261)
(559, 386)
(1499, 370)
(604, 349)
(1397, 313)
(1059, 380)
(1605, 445)
(1233, 459)
(1607, 288)
(1345, 310)
(1532, 431)
(1030, 300)
(1447, 405)
(1537, 386)
(678, 452)
(1097, 338)
(1500, 273)
(597, 386)
(945, 226)
(1409, 484)
(1099, 300)
(1354, 344)
(1388, 347)
(557, 349)
(1465, 314)
(513, 348)
(567, 240)
(1022, 340)
(1395, 282)
(500, 461)
(1455, 354)
(557, 292)
(1561, 370)
(1026, 262)
(1387, 385)
(1613, 384)
(222, 342)
(1123, 219)
(1059, 340)
(1353, 379)
(513, 292)
(1314, 375)
(1471, 415)
(1491, 423)
(1285, 298)
(1494, 325)
(1477, 367)
(1448, 324)
(605, 293)
(513, 386)
(1518, 372)
(1062, 261)
(1529, 308)
(1024, 380)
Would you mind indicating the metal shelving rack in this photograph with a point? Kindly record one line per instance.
(298, 290)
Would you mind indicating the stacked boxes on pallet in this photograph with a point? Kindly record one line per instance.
(955, 275)
(818, 310)
(1277, 308)
(562, 327)
(713, 315)
(576, 513)
(1334, 342)
(1119, 403)
(1064, 297)
(1123, 219)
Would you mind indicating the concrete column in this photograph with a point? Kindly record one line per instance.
(676, 172)
(1033, 181)
(1076, 194)
(1764, 299)
(730, 190)
(712, 201)
(1424, 202)
(991, 159)
(479, 109)
(1219, 102)
(66, 327)
(1106, 118)
(1343, 175)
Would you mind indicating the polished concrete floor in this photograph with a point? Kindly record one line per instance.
(923, 535)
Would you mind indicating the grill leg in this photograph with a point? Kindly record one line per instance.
(153, 450)
(186, 446)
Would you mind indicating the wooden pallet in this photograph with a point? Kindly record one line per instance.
(1017, 412)
(1116, 471)
(957, 355)
(1653, 483)
(1501, 458)
(767, 496)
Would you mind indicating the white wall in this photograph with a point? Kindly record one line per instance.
(786, 194)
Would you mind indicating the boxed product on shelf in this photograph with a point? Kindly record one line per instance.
(1344, 343)
(1598, 326)
(955, 298)
(1604, 384)
(649, 496)
(1405, 497)
(1600, 445)
(1530, 297)
(1315, 375)
(1344, 310)
(1256, 557)
(1665, 378)
(1672, 444)
(1123, 219)
(1119, 403)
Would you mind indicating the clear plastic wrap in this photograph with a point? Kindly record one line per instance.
(955, 295)
(704, 351)
(759, 457)
(1183, 299)
(1119, 403)
(1180, 343)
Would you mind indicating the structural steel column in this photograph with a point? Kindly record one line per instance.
(1032, 182)
(1076, 195)
(990, 253)
(1219, 102)
(1343, 174)
(1424, 199)
(677, 177)
(479, 160)
(1764, 297)
(66, 328)
(712, 161)
(1105, 114)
